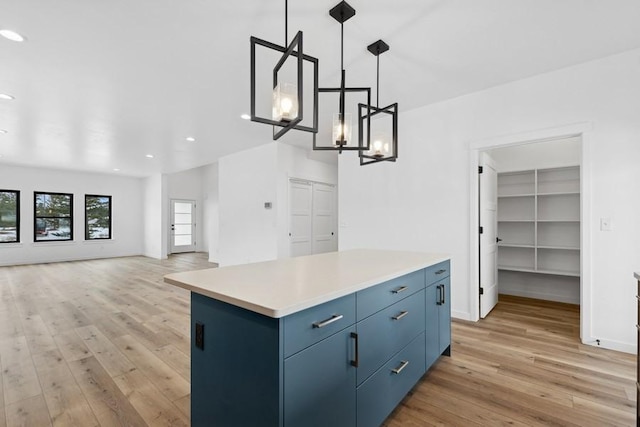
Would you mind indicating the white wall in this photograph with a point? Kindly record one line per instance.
(155, 216)
(248, 231)
(127, 215)
(187, 185)
(422, 202)
(294, 162)
(539, 155)
(210, 211)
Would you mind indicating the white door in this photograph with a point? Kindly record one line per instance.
(324, 238)
(300, 218)
(183, 226)
(488, 238)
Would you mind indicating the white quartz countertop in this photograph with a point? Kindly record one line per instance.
(637, 275)
(282, 287)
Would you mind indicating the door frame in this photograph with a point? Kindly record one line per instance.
(582, 130)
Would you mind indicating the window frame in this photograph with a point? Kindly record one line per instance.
(86, 218)
(36, 217)
(17, 193)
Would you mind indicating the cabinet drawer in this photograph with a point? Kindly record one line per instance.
(376, 298)
(382, 335)
(381, 393)
(438, 272)
(309, 326)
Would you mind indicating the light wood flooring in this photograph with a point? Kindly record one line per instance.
(106, 343)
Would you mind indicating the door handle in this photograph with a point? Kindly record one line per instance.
(399, 369)
(356, 361)
(400, 315)
(439, 302)
(329, 321)
(498, 240)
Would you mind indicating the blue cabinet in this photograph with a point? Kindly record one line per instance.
(346, 362)
(320, 384)
(438, 312)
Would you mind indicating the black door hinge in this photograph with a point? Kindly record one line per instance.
(480, 169)
(481, 290)
(481, 230)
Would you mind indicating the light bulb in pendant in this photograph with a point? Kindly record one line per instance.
(285, 102)
(341, 130)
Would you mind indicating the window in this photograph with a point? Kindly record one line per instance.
(9, 216)
(97, 217)
(53, 216)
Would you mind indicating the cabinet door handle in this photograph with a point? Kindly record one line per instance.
(329, 321)
(439, 301)
(443, 295)
(400, 316)
(440, 271)
(400, 289)
(356, 361)
(399, 369)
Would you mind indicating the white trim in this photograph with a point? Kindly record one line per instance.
(611, 345)
(582, 129)
(461, 315)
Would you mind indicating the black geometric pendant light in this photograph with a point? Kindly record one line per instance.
(382, 123)
(287, 97)
(342, 126)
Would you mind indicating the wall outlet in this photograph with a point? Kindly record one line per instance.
(605, 224)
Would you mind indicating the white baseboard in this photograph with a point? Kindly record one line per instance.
(462, 315)
(611, 344)
(540, 295)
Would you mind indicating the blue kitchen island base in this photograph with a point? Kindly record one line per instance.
(346, 362)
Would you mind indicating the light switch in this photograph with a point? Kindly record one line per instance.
(605, 224)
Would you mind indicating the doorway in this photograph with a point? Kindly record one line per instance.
(541, 253)
(312, 218)
(183, 226)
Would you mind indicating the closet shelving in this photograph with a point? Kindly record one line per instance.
(539, 221)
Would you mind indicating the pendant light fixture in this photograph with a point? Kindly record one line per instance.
(286, 97)
(382, 123)
(342, 123)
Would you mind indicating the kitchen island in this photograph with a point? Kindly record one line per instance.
(331, 339)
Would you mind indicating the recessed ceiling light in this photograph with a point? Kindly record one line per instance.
(3, 131)
(7, 97)
(245, 117)
(190, 139)
(11, 35)
(149, 156)
(116, 170)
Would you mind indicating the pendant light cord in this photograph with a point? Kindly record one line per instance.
(341, 46)
(378, 79)
(286, 23)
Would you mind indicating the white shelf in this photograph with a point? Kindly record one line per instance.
(539, 224)
(550, 272)
(560, 248)
(516, 195)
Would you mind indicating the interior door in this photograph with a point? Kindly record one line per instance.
(488, 195)
(300, 218)
(324, 225)
(183, 226)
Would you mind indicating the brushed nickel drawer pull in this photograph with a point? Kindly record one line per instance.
(400, 289)
(441, 271)
(399, 369)
(400, 316)
(329, 321)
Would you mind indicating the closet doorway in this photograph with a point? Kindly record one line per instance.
(537, 220)
(312, 218)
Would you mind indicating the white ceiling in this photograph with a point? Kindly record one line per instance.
(100, 84)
